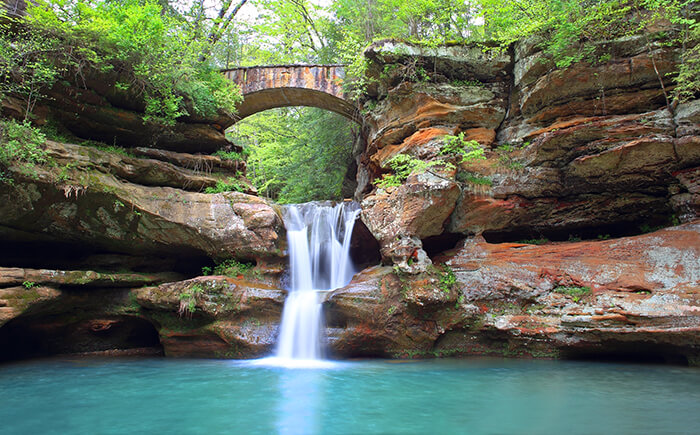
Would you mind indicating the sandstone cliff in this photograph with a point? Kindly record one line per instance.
(103, 251)
(592, 149)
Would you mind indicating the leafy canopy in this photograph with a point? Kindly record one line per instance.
(149, 54)
(297, 154)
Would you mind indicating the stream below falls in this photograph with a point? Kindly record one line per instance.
(471, 396)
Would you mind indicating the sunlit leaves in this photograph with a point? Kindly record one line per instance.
(297, 154)
(151, 52)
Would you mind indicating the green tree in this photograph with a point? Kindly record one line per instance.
(297, 154)
(151, 52)
(26, 64)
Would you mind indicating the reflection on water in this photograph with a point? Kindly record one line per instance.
(301, 395)
(373, 397)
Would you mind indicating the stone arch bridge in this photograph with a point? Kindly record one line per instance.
(267, 87)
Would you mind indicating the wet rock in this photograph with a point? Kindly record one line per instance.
(214, 316)
(635, 296)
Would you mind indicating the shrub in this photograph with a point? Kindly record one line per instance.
(151, 52)
(404, 165)
(20, 143)
(231, 185)
(230, 267)
(459, 146)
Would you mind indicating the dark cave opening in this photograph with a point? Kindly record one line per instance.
(573, 233)
(438, 244)
(44, 336)
(630, 353)
(81, 256)
(364, 248)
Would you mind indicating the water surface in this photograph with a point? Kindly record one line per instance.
(476, 396)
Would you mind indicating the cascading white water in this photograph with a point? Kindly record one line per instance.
(319, 252)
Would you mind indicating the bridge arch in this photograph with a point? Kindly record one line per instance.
(267, 87)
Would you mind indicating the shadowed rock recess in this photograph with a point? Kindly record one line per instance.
(578, 235)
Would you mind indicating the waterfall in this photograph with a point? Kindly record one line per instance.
(319, 259)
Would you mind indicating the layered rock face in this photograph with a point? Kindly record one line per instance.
(85, 232)
(103, 252)
(637, 297)
(582, 153)
(98, 110)
(125, 204)
(592, 149)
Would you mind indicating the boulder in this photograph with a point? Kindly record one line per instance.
(214, 316)
(403, 216)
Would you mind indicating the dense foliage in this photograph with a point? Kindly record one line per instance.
(151, 55)
(22, 145)
(297, 154)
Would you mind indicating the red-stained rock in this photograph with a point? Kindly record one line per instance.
(586, 172)
(423, 144)
(638, 296)
(398, 219)
(600, 147)
(410, 108)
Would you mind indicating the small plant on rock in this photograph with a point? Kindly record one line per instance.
(232, 268)
(540, 241)
(576, 292)
(404, 165)
(228, 155)
(188, 300)
(469, 177)
(468, 150)
(445, 275)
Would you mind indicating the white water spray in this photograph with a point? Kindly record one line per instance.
(319, 252)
